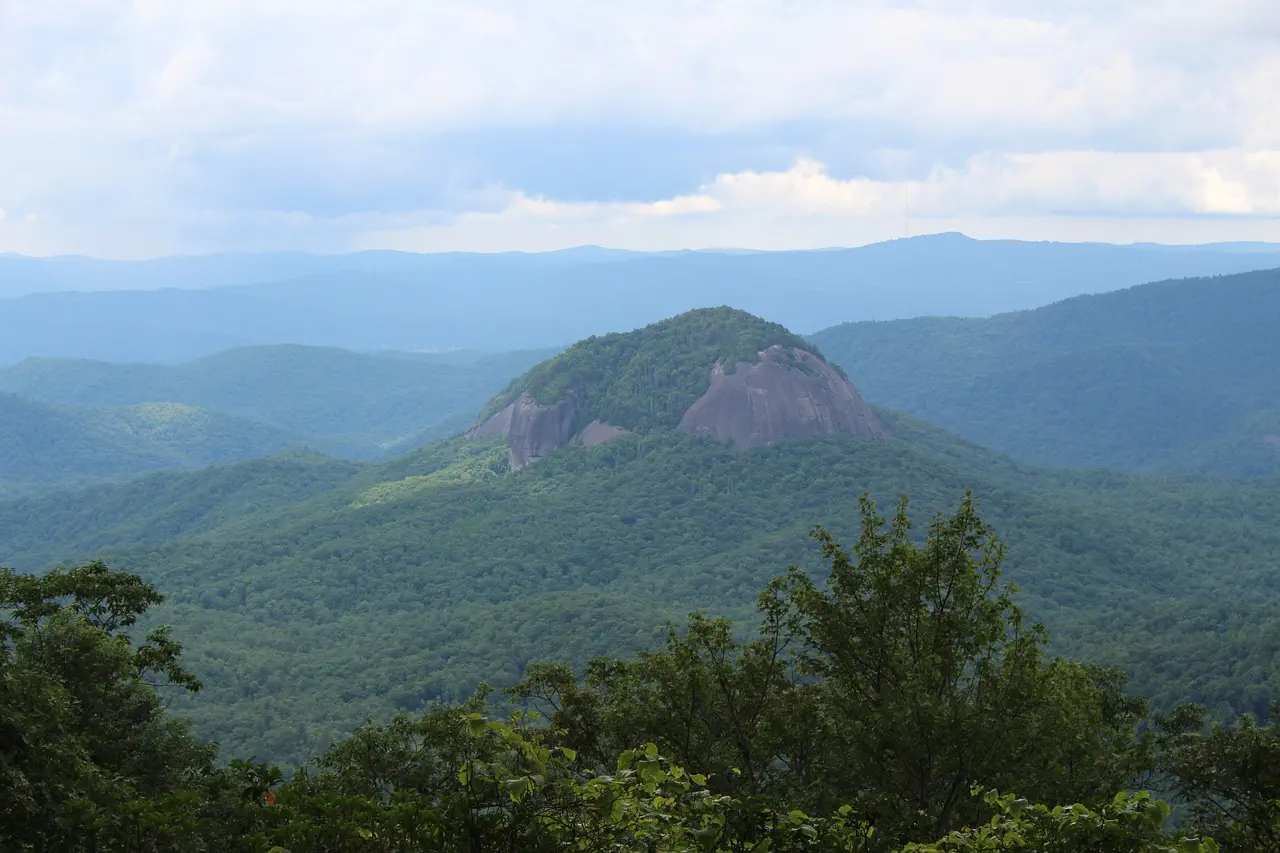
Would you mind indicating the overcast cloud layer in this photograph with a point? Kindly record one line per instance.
(163, 126)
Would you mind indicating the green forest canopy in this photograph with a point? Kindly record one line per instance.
(892, 706)
(65, 421)
(646, 379)
(1174, 376)
(301, 584)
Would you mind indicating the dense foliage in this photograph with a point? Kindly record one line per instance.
(646, 379)
(44, 446)
(67, 421)
(301, 585)
(1176, 376)
(904, 677)
(883, 709)
(86, 749)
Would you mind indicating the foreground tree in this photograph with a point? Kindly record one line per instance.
(88, 757)
(908, 676)
(512, 793)
(1127, 824)
(931, 679)
(877, 712)
(1228, 774)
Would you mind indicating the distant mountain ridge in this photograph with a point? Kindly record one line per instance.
(1173, 376)
(374, 300)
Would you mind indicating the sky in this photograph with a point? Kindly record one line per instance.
(154, 127)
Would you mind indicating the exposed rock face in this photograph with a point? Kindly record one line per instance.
(788, 393)
(534, 430)
(598, 432)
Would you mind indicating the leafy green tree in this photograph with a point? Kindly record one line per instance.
(511, 792)
(904, 679)
(1227, 774)
(931, 680)
(514, 793)
(88, 757)
(1127, 824)
(735, 711)
(91, 761)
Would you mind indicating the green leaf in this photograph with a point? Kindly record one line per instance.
(517, 788)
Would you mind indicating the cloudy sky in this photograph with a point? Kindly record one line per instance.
(131, 129)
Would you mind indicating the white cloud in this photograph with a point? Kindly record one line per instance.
(805, 207)
(170, 125)
(251, 64)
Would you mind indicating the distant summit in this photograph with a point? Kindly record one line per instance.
(715, 372)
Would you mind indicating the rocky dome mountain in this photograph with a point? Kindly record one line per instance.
(714, 372)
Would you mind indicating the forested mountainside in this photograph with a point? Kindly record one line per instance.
(1175, 376)
(44, 446)
(898, 697)
(71, 421)
(312, 595)
(417, 579)
(403, 301)
(715, 372)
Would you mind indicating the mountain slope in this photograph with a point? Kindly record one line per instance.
(501, 302)
(394, 584)
(312, 594)
(42, 530)
(1171, 376)
(343, 402)
(44, 446)
(717, 372)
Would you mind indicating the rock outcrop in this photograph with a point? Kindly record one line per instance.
(534, 430)
(714, 372)
(788, 393)
(598, 432)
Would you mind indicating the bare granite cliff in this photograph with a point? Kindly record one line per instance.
(532, 429)
(788, 393)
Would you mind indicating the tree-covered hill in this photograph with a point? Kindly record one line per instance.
(41, 529)
(395, 584)
(66, 422)
(1175, 376)
(346, 403)
(648, 378)
(45, 446)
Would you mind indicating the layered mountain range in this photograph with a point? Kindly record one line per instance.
(176, 309)
(1177, 376)
(677, 467)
